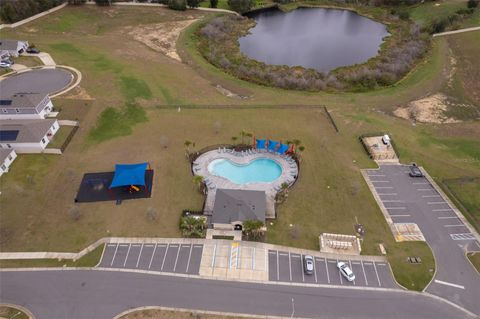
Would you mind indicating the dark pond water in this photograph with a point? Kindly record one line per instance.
(321, 39)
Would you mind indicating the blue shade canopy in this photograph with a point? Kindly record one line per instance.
(272, 145)
(261, 143)
(282, 149)
(129, 174)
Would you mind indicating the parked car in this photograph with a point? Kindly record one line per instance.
(345, 271)
(33, 50)
(308, 264)
(5, 64)
(415, 171)
(386, 139)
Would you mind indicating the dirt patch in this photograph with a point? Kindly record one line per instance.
(78, 93)
(430, 109)
(161, 37)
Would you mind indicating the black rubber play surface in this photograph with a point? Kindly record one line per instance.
(94, 188)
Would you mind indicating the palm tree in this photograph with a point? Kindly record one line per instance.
(193, 226)
(234, 139)
(253, 228)
(301, 148)
(296, 142)
(198, 181)
(244, 133)
(187, 144)
(250, 135)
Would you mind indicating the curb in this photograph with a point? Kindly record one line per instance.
(21, 308)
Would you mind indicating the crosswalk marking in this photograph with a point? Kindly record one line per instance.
(463, 236)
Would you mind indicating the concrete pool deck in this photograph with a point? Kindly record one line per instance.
(288, 175)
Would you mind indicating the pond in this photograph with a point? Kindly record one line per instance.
(316, 38)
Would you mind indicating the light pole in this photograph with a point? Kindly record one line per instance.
(293, 308)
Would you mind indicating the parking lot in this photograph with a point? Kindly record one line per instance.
(415, 200)
(288, 267)
(164, 257)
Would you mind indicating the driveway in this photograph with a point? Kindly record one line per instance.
(415, 200)
(81, 294)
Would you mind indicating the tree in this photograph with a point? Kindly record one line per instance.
(301, 148)
(198, 181)
(250, 135)
(180, 5)
(241, 5)
(472, 3)
(234, 139)
(253, 229)
(243, 133)
(193, 3)
(213, 3)
(76, 2)
(193, 227)
(187, 144)
(103, 2)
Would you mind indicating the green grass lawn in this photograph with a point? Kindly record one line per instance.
(135, 94)
(89, 260)
(426, 12)
(10, 313)
(28, 61)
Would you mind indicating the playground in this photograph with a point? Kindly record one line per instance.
(128, 181)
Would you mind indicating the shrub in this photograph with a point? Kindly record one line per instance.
(76, 2)
(472, 3)
(241, 5)
(193, 3)
(103, 2)
(213, 3)
(180, 5)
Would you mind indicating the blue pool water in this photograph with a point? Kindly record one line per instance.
(262, 170)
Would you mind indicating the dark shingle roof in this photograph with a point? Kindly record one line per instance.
(238, 205)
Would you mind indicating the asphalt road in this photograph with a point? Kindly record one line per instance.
(37, 81)
(415, 200)
(81, 294)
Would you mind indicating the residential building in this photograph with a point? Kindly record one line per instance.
(27, 136)
(234, 206)
(13, 47)
(26, 106)
(7, 156)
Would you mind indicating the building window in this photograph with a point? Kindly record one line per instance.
(17, 110)
(9, 157)
(4, 168)
(43, 140)
(9, 146)
(4, 111)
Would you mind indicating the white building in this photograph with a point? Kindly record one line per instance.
(6, 159)
(13, 47)
(26, 106)
(27, 136)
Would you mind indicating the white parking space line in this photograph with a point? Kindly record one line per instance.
(340, 275)
(447, 217)
(381, 264)
(176, 258)
(380, 181)
(164, 255)
(442, 210)
(376, 273)
(406, 215)
(449, 284)
(435, 203)
(114, 254)
(377, 175)
(126, 258)
(355, 263)
(315, 269)
(278, 268)
(189, 255)
(153, 254)
(290, 265)
(326, 268)
(351, 268)
(420, 183)
(138, 259)
(364, 274)
(425, 189)
(214, 256)
(283, 254)
(396, 207)
(429, 196)
(387, 194)
(383, 187)
(459, 225)
(197, 246)
(393, 201)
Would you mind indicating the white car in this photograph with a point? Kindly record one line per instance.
(345, 271)
(5, 64)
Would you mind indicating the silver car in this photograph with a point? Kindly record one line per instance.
(345, 271)
(308, 264)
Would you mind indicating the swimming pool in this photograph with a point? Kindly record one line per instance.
(261, 170)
